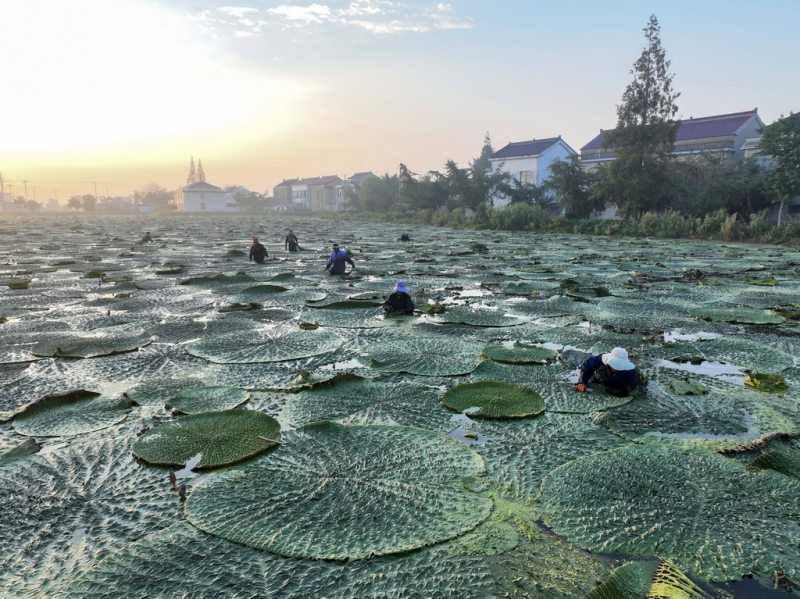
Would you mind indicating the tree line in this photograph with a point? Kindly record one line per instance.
(645, 177)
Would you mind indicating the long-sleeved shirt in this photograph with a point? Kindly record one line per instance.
(399, 302)
(336, 262)
(258, 252)
(616, 382)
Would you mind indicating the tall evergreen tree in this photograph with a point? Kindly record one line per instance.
(192, 177)
(201, 174)
(645, 132)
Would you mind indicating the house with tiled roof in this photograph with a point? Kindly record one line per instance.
(529, 161)
(316, 194)
(724, 134)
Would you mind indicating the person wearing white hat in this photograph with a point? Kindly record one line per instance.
(399, 302)
(614, 371)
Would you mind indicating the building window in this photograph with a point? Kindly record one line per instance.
(526, 177)
(202, 205)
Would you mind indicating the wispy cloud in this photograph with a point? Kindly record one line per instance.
(374, 16)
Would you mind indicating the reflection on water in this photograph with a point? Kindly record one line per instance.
(467, 430)
(726, 372)
(190, 465)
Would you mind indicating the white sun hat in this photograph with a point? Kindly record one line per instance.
(401, 286)
(617, 358)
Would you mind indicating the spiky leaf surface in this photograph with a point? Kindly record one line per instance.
(426, 356)
(158, 391)
(781, 456)
(519, 454)
(75, 346)
(70, 414)
(494, 399)
(222, 437)
(741, 352)
(266, 345)
(208, 399)
(737, 315)
(185, 561)
(695, 508)
(648, 579)
(96, 488)
(519, 353)
(480, 317)
(24, 449)
(402, 402)
(345, 492)
(554, 382)
(725, 415)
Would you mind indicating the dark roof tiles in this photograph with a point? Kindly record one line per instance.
(525, 148)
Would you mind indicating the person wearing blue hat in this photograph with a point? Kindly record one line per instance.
(337, 260)
(614, 371)
(400, 301)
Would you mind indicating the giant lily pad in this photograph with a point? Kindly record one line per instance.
(737, 315)
(201, 565)
(266, 345)
(493, 399)
(694, 508)
(72, 413)
(221, 437)
(207, 399)
(519, 353)
(480, 317)
(75, 346)
(426, 356)
(339, 492)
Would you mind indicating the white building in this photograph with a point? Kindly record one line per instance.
(204, 197)
(529, 161)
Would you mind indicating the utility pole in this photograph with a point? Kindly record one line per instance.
(26, 190)
(2, 188)
(95, 190)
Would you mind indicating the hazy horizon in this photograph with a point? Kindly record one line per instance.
(123, 92)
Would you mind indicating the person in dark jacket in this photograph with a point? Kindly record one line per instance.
(146, 238)
(404, 237)
(614, 371)
(290, 243)
(400, 301)
(337, 260)
(257, 251)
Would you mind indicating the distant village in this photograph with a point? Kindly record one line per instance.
(733, 137)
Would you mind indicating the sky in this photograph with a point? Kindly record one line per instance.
(123, 92)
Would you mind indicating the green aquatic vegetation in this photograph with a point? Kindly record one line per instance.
(200, 565)
(264, 345)
(401, 402)
(70, 414)
(240, 307)
(94, 488)
(347, 315)
(555, 383)
(768, 383)
(744, 353)
(345, 492)
(222, 438)
(425, 356)
(694, 508)
(480, 317)
(493, 399)
(18, 283)
(519, 454)
(723, 417)
(737, 315)
(89, 346)
(519, 353)
(685, 386)
(432, 309)
(780, 453)
(195, 400)
(648, 579)
(24, 449)
(219, 279)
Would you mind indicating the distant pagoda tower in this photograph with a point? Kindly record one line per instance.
(192, 178)
(201, 175)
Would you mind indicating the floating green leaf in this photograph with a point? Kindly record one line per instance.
(338, 492)
(207, 399)
(737, 315)
(480, 317)
(769, 383)
(204, 566)
(221, 437)
(265, 345)
(694, 508)
(426, 356)
(89, 346)
(72, 413)
(519, 353)
(648, 579)
(493, 399)
(26, 448)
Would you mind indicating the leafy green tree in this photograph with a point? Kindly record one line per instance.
(33, 205)
(781, 140)
(74, 202)
(645, 131)
(249, 201)
(88, 202)
(154, 195)
(378, 194)
(570, 184)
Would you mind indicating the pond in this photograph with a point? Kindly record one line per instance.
(177, 419)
